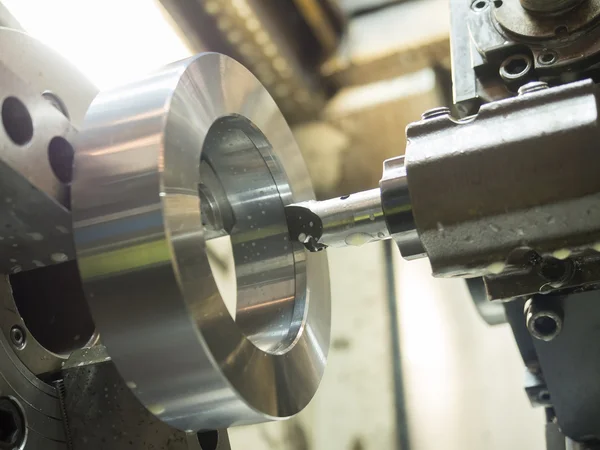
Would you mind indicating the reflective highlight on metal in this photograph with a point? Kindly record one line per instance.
(143, 208)
(396, 203)
(353, 220)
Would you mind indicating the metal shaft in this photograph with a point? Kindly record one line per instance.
(550, 6)
(338, 222)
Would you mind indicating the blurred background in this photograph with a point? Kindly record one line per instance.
(412, 365)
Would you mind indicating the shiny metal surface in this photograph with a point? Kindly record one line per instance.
(544, 318)
(36, 221)
(44, 70)
(141, 247)
(519, 21)
(30, 188)
(396, 203)
(355, 220)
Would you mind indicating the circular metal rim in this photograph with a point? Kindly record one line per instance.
(516, 19)
(533, 316)
(515, 76)
(149, 311)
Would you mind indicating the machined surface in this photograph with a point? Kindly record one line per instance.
(30, 187)
(45, 70)
(516, 19)
(550, 6)
(396, 204)
(141, 247)
(487, 187)
(355, 220)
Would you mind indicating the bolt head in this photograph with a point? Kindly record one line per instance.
(12, 425)
(17, 336)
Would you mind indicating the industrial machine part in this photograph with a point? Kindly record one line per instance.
(152, 175)
(137, 196)
(508, 193)
(531, 233)
(507, 43)
(533, 230)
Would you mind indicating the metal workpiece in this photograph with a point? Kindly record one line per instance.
(497, 195)
(397, 207)
(139, 197)
(350, 220)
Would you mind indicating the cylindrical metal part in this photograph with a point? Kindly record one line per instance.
(491, 191)
(550, 6)
(397, 208)
(353, 220)
(140, 237)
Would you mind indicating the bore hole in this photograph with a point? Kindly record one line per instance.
(545, 325)
(516, 66)
(208, 439)
(17, 121)
(60, 155)
(553, 269)
(547, 58)
(246, 233)
(561, 31)
(479, 5)
(52, 305)
(344, 197)
(498, 3)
